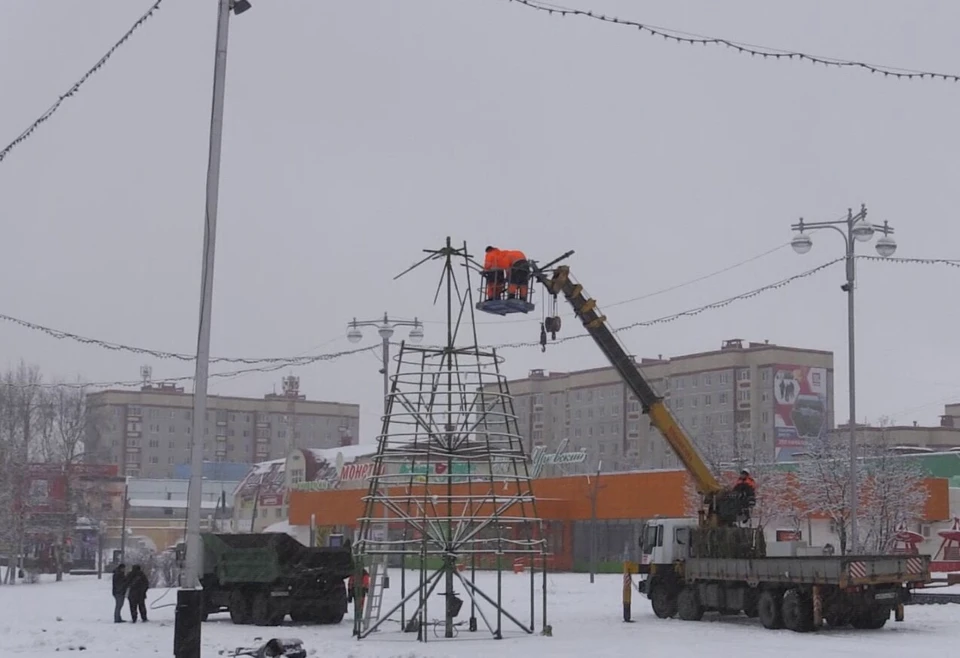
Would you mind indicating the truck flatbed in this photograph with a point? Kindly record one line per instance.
(849, 571)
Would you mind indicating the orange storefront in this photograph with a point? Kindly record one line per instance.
(564, 503)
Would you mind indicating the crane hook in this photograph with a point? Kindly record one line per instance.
(543, 338)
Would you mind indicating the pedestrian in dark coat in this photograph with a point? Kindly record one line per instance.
(119, 591)
(137, 593)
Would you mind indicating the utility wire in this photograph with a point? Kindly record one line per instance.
(766, 52)
(229, 374)
(277, 363)
(76, 86)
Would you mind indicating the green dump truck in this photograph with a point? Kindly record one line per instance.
(261, 578)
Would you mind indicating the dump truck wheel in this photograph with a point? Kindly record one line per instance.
(769, 610)
(332, 615)
(688, 604)
(239, 608)
(265, 612)
(664, 602)
(871, 619)
(797, 611)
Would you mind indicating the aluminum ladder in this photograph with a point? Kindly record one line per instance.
(374, 602)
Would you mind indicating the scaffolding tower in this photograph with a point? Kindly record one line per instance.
(451, 490)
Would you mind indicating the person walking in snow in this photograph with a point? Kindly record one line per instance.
(137, 593)
(119, 585)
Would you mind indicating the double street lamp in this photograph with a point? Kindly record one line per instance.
(386, 326)
(855, 228)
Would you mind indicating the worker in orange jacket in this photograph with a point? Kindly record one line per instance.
(493, 272)
(746, 486)
(364, 589)
(515, 263)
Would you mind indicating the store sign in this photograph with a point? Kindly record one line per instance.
(420, 472)
(540, 458)
(333, 476)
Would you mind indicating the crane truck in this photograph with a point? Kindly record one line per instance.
(716, 562)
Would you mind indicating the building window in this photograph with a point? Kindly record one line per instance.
(694, 401)
(707, 400)
(765, 416)
(694, 381)
(744, 375)
(763, 375)
(679, 382)
(722, 398)
(707, 380)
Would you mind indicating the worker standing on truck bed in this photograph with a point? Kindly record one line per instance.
(493, 272)
(746, 486)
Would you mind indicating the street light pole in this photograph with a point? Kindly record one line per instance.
(386, 326)
(855, 228)
(186, 643)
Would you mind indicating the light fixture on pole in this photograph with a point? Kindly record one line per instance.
(386, 326)
(189, 610)
(855, 228)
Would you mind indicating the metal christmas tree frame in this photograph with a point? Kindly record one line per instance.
(450, 478)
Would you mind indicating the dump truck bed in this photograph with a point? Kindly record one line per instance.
(270, 557)
(845, 571)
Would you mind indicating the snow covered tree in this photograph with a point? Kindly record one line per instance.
(891, 491)
(20, 393)
(726, 456)
(893, 494)
(823, 483)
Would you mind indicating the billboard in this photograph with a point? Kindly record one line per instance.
(799, 407)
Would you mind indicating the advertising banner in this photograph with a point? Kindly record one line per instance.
(799, 408)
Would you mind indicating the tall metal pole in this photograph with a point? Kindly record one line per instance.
(192, 564)
(187, 628)
(594, 493)
(123, 522)
(851, 364)
(854, 228)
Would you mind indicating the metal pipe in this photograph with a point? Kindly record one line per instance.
(191, 574)
(851, 365)
(123, 521)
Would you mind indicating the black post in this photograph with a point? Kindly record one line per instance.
(186, 629)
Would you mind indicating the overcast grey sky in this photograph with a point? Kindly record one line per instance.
(359, 133)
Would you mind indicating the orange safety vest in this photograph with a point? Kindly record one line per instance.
(491, 259)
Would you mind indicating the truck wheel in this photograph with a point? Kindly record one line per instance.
(333, 615)
(688, 604)
(769, 610)
(239, 608)
(797, 611)
(871, 619)
(664, 602)
(264, 611)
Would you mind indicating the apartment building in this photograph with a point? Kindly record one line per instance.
(148, 432)
(765, 399)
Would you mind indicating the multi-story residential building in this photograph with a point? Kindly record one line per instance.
(148, 432)
(766, 399)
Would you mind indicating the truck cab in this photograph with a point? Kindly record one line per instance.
(665, 541)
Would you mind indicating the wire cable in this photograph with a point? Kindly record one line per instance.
(687, 313)
(79, 83)
(766, 52)
(228, 374)
(276, 363)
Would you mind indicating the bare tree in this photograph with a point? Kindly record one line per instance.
(726, 456)
(20, 392)
(65, 419)
(893, 493)
(823, 483)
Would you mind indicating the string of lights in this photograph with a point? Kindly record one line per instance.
(766, 52)
(227, 374)
(689, 312)
(304, 360)
(157, 354)
(79, 83)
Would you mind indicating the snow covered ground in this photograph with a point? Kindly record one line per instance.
(50, 618)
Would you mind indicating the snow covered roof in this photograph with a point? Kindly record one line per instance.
(350, 453)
